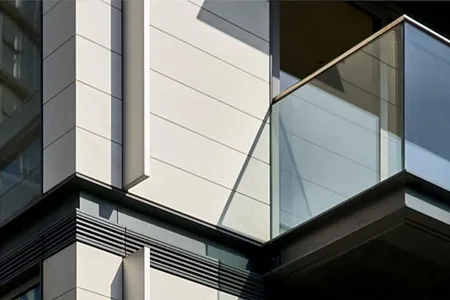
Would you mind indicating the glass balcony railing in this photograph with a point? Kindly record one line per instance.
(379, 108)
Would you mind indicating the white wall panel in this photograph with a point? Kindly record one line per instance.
(209, 96)
(99, 272)
(207, 159)
(248, 216)
(99, 67)
(99, 112)
(98, 158)
(252, 15)
(100, 22)
(203, 199)
(136, 81)
(82, 272)
(59, 272)
(212, 34)
(166, 286)
(59, 160)
(190, 194)
(82, 90)
(207, 116)
(208, 74)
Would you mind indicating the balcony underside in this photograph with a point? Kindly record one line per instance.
(388, 240)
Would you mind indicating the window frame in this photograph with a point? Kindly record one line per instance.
(22, 289)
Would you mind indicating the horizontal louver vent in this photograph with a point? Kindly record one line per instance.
(121, 241)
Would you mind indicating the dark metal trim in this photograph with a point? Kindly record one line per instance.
(78, 182)
(340, 58)
(403, 95)
(381, 189)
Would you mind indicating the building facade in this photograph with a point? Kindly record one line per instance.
(221, 150)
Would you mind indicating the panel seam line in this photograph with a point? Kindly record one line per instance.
(210, 139)
(211, 55)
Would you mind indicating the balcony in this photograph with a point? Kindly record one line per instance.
(361, 166)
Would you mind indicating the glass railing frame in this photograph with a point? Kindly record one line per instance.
(398, 22)
(359, 46)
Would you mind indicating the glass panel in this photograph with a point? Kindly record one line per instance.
(338, 134)
(20, 120)
(10, 59)
(29, 64)
(30, 9)
(33, 294)
(302, 50)
(20, 56)
(427, 106)
(9, 103)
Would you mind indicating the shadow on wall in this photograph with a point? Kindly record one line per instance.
(116, 291)
(116, 104)
(245, 174)
(246, 21)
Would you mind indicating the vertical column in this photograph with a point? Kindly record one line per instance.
(136, 272)
(82, 272)
(82, 79)
(59, 68)
(274, 118)
(384, 117)
(99, 90)
(137, 92)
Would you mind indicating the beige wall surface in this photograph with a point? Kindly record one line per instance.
(209, 101)
(82, 91)
(209, 130)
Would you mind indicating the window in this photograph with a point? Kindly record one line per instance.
(31, 10)
(30, 290)
(20, 107)
(19, 55)
(9, 103)
(33, 294)
(25, 166)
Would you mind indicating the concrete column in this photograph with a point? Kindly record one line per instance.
(81, 272)
(82, 91)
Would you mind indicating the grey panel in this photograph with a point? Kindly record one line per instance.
(175, 236)
(145, 225)
(136, 92)
(98, 207)
(426, 106)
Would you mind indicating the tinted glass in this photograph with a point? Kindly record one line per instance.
(20, 106)
(33, 294)
(427, 98)
(339, 134)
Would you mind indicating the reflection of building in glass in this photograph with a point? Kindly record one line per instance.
(33, 294)
(20, 103)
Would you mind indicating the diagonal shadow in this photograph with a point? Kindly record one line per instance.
(235, 18)
(244, 167)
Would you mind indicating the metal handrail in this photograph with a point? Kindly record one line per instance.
(352, 50)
